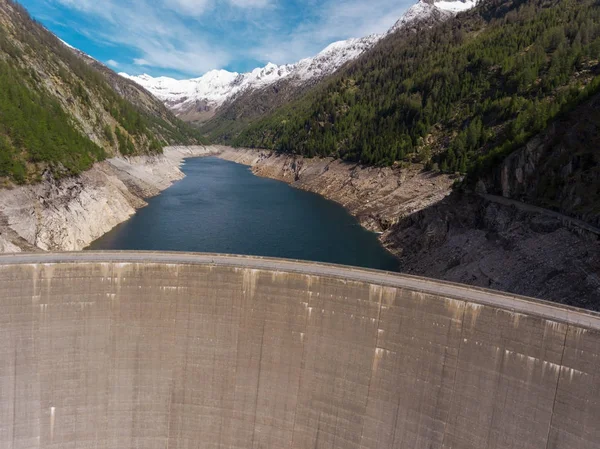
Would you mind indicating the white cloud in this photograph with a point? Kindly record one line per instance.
(112, 63)
(199, 7)
(193, 7)
(158, 35)
(251, 3)
(194, 36)
(336, 20)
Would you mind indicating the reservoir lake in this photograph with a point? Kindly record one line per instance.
(222, 207)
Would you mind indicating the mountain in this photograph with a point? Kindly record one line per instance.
(61, 111)
(458, 97)
(197, 100)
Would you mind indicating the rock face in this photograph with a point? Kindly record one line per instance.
(467, 239)
(559, 169)
(69, 214)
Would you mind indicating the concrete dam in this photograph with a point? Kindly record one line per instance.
(184, 351)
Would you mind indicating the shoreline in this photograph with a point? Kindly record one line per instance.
(378, 197)
(70, 214)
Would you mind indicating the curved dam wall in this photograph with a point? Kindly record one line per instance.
(156, 351)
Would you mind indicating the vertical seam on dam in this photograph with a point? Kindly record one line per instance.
(262, 340)
(362, 431)
(562, 357)
(174, 375)
(460, 342)
(14, 410)
(302, 365)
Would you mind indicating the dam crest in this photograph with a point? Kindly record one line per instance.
(174, 350)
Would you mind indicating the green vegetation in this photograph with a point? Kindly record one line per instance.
(58, 112)
(459, 96)
(35, 129)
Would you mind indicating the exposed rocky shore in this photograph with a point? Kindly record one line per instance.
(377, 196)
(69, 214)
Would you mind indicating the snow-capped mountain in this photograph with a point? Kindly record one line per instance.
(197, 99)
(211, 90)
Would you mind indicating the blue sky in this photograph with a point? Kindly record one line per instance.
(186, 38)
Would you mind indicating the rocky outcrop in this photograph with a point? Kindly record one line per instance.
(470, 240)
(68, 214)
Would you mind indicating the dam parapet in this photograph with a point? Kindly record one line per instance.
(165, 350)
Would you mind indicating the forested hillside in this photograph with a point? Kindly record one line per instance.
(237, 114)
(58, 112)
(459, 96)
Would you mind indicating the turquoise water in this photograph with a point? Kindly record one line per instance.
(222, 207)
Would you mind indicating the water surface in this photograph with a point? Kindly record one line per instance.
(221, 207)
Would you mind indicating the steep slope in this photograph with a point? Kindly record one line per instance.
(462, 94)
(536, 232)
(559, 169)
(197, 100)
(58, 111)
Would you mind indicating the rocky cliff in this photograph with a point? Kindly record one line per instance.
(558, 169)
(470, 240)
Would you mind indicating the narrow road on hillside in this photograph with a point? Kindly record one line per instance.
(540, 210)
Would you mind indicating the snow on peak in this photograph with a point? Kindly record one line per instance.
(218, 86)
(332, 58)
(456, 6)
(425, 9)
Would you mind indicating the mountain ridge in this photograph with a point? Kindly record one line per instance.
(458, 97)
